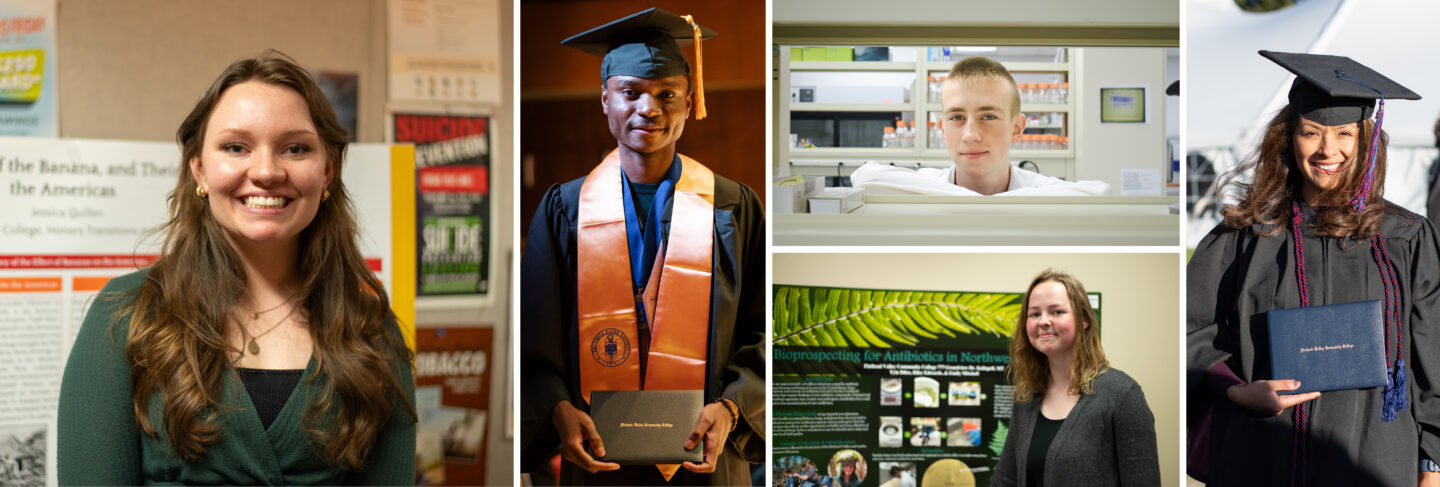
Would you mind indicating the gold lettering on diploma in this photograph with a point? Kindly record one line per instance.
(1326, 348)
(647, 425)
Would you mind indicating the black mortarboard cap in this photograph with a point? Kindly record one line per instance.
(1335, 90)
(645, 44)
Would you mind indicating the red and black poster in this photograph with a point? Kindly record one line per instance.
(452, 177)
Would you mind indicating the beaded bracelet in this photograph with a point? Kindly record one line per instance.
(733, 409)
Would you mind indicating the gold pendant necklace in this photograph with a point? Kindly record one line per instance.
(255, 347)
(255, 316)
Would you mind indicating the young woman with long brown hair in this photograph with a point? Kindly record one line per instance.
(259, 348)
(1076, 420)
(1311, 228)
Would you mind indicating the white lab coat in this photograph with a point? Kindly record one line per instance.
(879, 178)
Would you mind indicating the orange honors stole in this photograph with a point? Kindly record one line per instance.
(680, 326)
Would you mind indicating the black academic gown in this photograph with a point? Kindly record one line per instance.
(736, 362)
(1236, 276)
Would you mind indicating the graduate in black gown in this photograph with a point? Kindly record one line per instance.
(647, 97)
(1311, 227)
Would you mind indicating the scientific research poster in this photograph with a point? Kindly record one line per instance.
(872, 385)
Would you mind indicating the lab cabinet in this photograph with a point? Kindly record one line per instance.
(831, 115)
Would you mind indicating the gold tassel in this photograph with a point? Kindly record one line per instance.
(699, 71)
(668, 470)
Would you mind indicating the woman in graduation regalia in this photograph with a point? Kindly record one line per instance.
(1311, 228)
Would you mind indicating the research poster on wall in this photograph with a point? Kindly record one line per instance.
(452, 177)
(76, 213)
(27, 68)
(875, 385)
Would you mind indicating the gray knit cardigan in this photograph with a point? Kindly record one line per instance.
(1107, 439)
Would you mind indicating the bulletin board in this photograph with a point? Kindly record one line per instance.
(167, 53)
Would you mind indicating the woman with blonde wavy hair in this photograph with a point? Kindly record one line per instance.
(259, 348)
(1076, 421)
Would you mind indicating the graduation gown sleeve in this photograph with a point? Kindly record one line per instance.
(547, 317)
(741, 230)
(1424, 349)
(1213, 278)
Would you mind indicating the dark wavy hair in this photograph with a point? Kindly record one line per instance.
(177, 343)
(1030, 370)
(1276, 181)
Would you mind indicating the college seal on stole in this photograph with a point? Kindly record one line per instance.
(610, 347)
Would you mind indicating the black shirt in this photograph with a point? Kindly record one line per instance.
(643, 195)
(269, 390)
(1045, 429)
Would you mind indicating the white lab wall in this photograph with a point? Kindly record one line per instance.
(1172, 103)
(1102, 150)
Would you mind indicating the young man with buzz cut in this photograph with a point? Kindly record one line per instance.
(981, 110)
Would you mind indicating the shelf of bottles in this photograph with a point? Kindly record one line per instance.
(851, 66)
(1045, 101)
(892, 110)
(850, 107)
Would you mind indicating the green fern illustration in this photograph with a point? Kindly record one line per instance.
(997, 438)
(861, 318)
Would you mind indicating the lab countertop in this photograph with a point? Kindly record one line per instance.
(989, 220)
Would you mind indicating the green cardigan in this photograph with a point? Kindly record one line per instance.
(99, 442)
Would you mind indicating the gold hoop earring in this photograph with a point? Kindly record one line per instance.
(200, 191)
(325, 196)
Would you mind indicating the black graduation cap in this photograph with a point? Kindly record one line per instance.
(1335, 90)
(646, 44)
